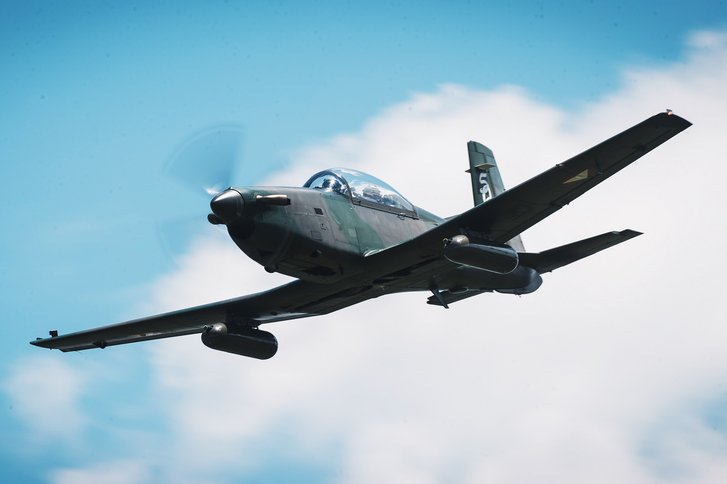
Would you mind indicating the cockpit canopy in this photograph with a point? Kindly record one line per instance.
(362, 189)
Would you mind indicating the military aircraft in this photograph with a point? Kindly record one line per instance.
(348, 237)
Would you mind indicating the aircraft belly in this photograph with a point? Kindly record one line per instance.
(444, 275)
(479, 279)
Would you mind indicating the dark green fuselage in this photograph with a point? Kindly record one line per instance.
(325, 237)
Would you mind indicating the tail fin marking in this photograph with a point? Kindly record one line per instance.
(486, 180)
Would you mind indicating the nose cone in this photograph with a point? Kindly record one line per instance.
(228, 205)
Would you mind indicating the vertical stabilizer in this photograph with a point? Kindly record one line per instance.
(486, 180)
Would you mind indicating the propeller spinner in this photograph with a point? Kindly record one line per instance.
(226, 207)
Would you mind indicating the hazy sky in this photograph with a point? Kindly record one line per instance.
(614, 371)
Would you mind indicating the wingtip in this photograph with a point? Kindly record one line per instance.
(40, 342)
(674, 119)
(630, 233)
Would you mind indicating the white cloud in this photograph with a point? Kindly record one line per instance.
(114, 472)
(45, 393)
(564, 385)
(708, 39)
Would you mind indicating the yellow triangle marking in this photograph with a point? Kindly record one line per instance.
(579, 177)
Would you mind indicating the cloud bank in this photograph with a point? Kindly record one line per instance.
(612, 372)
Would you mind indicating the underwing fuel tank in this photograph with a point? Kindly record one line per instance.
(250, 342)
(497, 259)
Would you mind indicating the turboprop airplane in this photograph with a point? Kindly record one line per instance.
(347, 237)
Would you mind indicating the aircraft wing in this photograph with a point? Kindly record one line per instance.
(501, 218)
(515, 210)
(297, 299)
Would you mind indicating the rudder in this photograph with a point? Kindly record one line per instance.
(486, 180)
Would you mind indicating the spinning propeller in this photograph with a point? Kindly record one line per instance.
(204, 164)
(206, 161)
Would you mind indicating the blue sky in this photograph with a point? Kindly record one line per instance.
(96, 96)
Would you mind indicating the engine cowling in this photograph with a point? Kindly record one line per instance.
(250, 342)
(497, 259)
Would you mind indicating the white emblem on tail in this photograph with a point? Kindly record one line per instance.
(484, 186)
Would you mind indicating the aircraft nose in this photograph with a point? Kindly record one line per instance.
(228, 206)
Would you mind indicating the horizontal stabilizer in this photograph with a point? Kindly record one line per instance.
(552, 259)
